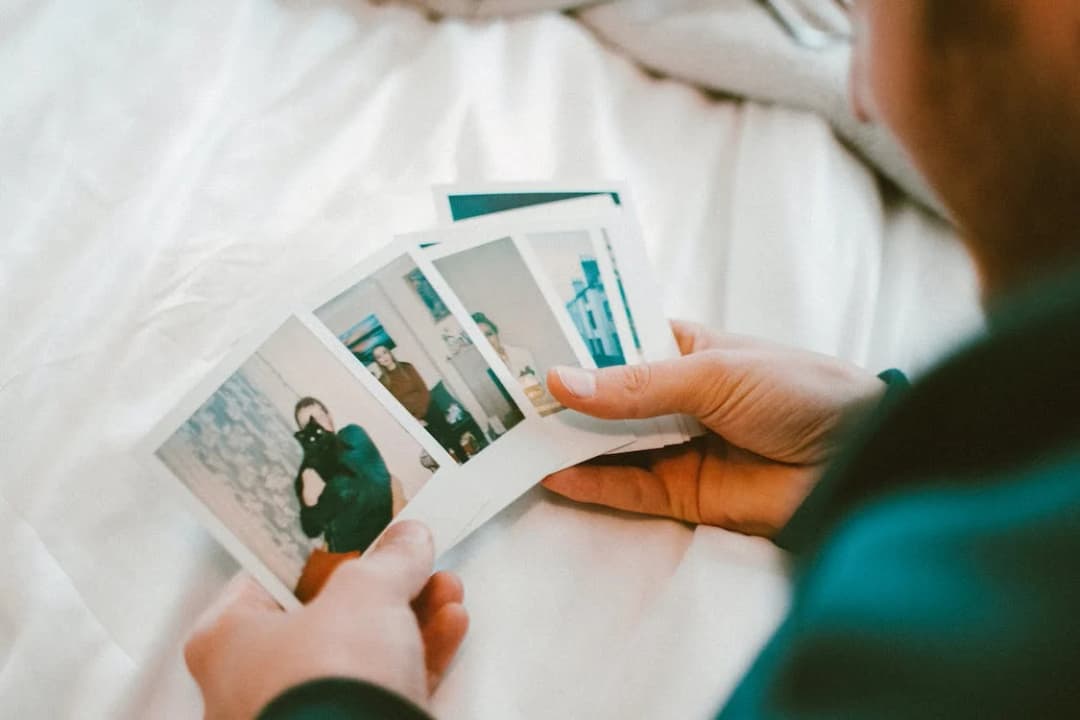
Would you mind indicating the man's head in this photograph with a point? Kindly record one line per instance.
(985, 97)
(490, 330)
(309, 408)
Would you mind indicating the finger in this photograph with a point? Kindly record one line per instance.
(442, 588)
(623, 487)
(688, 384)
(442, 636)
(398, 566)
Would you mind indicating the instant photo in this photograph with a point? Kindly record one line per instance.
(395, 324)
(569, 261)
(299, 465)
(494, 284)
(571, 247)
(647, 336)
(638, 286)
(462, 203)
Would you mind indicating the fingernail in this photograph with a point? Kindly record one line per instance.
(581, 383)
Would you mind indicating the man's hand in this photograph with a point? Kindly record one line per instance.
(775, 414)
(382, 618)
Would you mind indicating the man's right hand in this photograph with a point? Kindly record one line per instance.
(775, 416)
(383, 619)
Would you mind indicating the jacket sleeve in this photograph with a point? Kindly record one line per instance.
(356, 438)
(340, 699)
(827, 499)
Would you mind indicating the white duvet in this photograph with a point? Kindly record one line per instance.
(170, 172)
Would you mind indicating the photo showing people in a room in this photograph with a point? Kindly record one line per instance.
(493, 281)
(521, 363)
(396, 325)
(301, 462)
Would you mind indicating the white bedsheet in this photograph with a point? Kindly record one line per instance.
(170, 171)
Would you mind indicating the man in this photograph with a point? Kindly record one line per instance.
(936, 527)
(343, 486)
(521, 364)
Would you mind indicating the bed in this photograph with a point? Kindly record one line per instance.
(175, 171)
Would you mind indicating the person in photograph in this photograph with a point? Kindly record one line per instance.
(932, 526)
(520, 362)
(346, 493)
(404, 382)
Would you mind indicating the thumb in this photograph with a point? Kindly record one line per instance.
(399, 564)
(688, 384)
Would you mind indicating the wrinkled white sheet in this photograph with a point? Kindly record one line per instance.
(171, 171)
(736, 47)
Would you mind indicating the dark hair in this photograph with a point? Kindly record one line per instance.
(479, 317)
(306, 402)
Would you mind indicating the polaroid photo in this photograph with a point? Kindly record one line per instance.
(492, 279)
(568, 263)
(613, 233)
(458, 202)
(650, 330)
(598, 216)
(572, 267)
(488, 284)
(469, 208)
(394, 324)
(295, 465)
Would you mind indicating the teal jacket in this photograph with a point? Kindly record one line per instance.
(937, 562)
